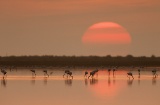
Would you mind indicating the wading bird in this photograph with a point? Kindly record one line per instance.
(85, 74)
(4, 73)
(114, 69)
(70, 74)
(139, 73)
(45, 73)
(154, 72)
(66, 73)
(92, 73)
(109, 71)
(129, 74)
(33, 72)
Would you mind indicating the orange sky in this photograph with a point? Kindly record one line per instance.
(56, 27)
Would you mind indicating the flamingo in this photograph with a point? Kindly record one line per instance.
(154, 71)
(4, 72)
(33, 72)
(130, 74)
(114, 69)
(70, 74)
(66, 72)
(109, 71)
(139, 72)
(45, 73)
(92, 73)
(85, 74)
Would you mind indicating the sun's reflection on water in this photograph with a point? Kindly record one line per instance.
(105, 88)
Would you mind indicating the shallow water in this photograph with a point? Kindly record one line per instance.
(20, 88)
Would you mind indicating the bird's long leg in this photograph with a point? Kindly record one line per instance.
(155, 75)
(89, 76)
(64, 74)
(132, 77)
(47, 74)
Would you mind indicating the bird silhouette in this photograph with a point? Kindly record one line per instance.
(109, 71)
(139, 73)
(114, 69)
(70, 74)
(129, 74)
(154, 72)
(4, 73)
(66, 73)
(92, 73)
(45, 73)
(33, 72)
(86, 73)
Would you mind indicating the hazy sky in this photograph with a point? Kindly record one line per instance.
(56, 27)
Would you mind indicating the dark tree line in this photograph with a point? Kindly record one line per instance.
(90, 61)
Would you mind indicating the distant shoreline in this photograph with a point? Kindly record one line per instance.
(79, 61)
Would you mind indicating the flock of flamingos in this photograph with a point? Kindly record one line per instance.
(91, 74)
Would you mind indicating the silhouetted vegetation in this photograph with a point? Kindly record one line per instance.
(71, 61)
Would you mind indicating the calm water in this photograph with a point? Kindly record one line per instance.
(20, 88)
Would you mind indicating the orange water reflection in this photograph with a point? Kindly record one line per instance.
(106, 88)
(4, 82)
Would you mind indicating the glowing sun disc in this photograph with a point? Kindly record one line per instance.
(106, 33)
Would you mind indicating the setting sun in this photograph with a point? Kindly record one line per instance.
(106, 33)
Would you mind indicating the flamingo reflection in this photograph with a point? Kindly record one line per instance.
(45, 80)
(130, 82)
(4, 82)
(109, 81)
(33, 80)
(93, 81)
(154, 81)
(68, 82)
(86, 81)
